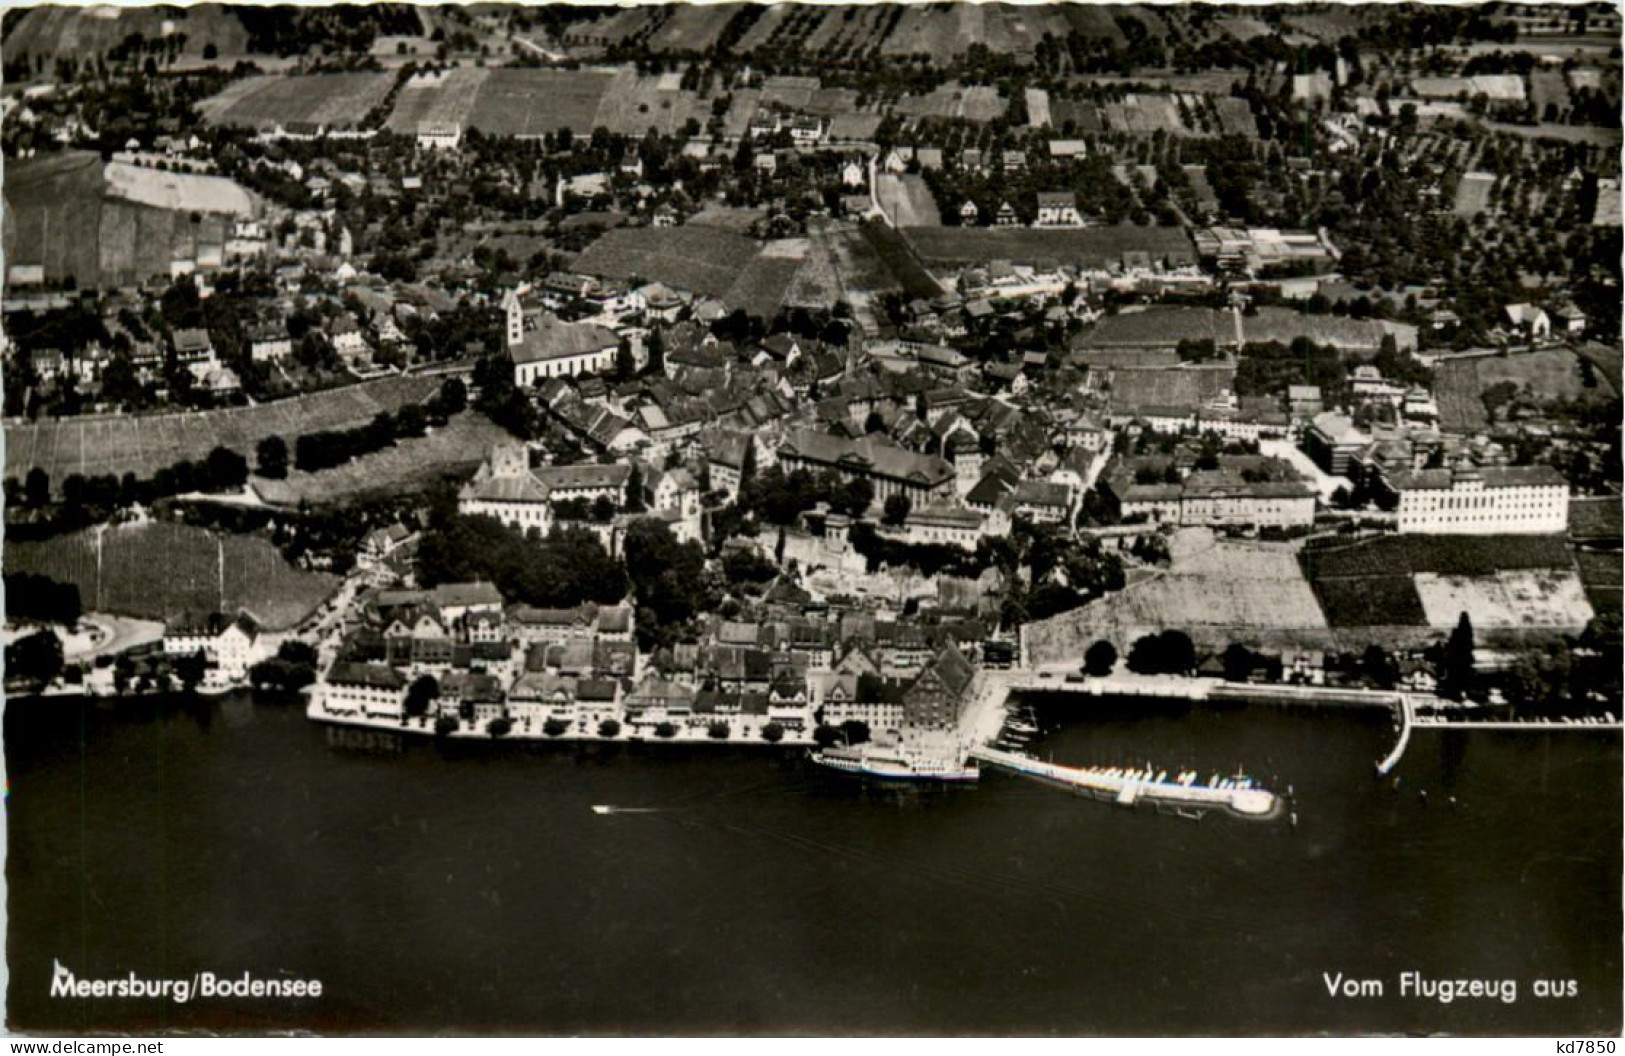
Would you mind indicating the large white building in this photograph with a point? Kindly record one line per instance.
(231, 645)
(507, 488)
(1493, 500)
(543, 346)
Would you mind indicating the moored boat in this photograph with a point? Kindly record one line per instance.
(893, 763)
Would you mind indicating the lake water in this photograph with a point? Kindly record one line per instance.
(474, 888)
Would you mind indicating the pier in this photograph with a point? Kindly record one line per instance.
(1406, 716)
(1128, 787)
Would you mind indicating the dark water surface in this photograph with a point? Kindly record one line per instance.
(476, 890)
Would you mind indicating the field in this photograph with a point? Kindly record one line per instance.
(1284, 325)
(1375, 582)
(908, 201)
(337, 100)
(1595, 518)
(532, 102)
(1603, 573)
(144, 444)
(692, 28)
(1135, 390)
(1526, 600)
(631, 105)
(1242, 591)
(1548, 374)
(900, 260)
(947, 30)
(700, 258)
(1370, 601)
(53, 212)
(954, 100)
(1144, 114)
(1160, 327)
(86, 31)
(163, 571)
(447, 101)
(453, 451)
(948, 247)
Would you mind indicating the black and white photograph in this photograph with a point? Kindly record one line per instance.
(841, 520)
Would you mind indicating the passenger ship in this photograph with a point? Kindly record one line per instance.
(895, 763)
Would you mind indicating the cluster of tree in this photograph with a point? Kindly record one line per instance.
(565, 568)
(931, 559)
(1241, 662)
(781, 498)
(35, 659)
(1168, 652)
(35, 597)
(330, 448)
(340, 30)
(1267, 369)
(290, 670)
(89, 500)
(1574, 676)
(669, 580)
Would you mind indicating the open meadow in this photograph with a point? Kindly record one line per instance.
(163, 571)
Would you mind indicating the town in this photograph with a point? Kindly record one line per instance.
(784, 375)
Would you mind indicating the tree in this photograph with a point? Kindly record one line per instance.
(189, 669)
(453, 396)
(1238, 662)
(500, 726)
(445, 725)
(634, 489)
(37, 488)
(555, 727)
(666, 730)
(609, 728)
(856, 732)
(271, 456)
(1458, 660)
(773, 733)
(1100, 659)
(897, 509)
(423, 692)
(828, 736)
(717, 731)
(35, 658)
(1379, 667)
(226, 469)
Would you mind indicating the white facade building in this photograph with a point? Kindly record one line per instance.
(1494, 500)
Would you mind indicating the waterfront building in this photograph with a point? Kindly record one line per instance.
(939, 695)
(231, 645)
(363, 689)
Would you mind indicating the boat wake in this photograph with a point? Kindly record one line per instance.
(600, 808)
